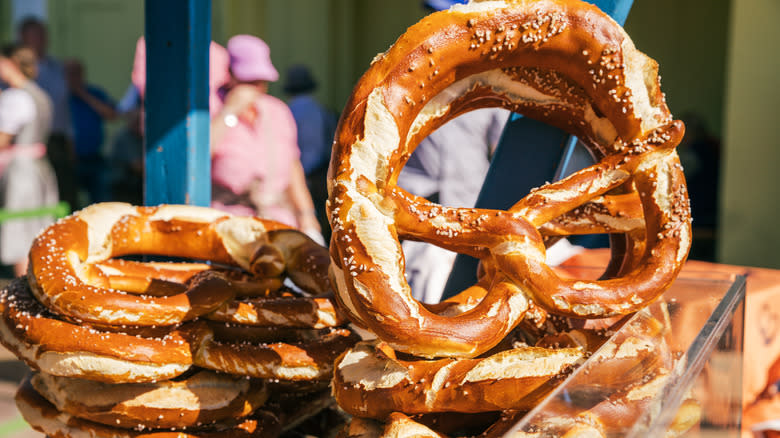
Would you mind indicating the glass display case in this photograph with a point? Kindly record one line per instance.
(673, 369)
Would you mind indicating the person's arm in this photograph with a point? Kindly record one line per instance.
(299, 196)
(237, 100)
(104, 110)
(219, 126)
(5, 139)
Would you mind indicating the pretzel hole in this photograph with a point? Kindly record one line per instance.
(158, 276)
(262, 335)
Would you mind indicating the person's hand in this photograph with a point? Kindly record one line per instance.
(10, 73)
(239, 98)
(6, 65)
(307, 222)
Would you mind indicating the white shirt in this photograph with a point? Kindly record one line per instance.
(17, 109)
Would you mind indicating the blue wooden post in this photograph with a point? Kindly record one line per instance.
(524, 139)
(178, 34)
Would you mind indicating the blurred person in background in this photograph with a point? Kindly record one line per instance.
(126, 161)
(136, 93)
(27, 180)
(89, 107)
(316, 126)
(448, 167)
(51, 78)
(127, 149)
(255, 166)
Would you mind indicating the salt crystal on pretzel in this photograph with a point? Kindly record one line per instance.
(561, 61)
(117, 355)
(369, 381)
(200, 399)
(64, 276)
(59, 347)
(44, 417)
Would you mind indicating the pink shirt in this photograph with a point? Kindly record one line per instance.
(261, 149)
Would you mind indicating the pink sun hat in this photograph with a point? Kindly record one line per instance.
(250, 59)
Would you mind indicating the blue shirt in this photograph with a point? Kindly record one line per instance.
(87, 123)
(51, 77)
(315, 131)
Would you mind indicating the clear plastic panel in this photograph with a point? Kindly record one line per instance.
(673, 369)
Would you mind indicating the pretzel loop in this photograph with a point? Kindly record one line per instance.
(70, 273)
(562, 62)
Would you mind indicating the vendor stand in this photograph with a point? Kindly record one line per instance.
(177, 170)
(710, 306)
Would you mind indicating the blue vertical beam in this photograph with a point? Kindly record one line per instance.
(178, 34)
(524, 139)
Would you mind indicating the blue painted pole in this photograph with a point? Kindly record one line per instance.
(524, 139)
(177, 159)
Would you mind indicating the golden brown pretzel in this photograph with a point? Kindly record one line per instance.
(44, 417)
(308, 357)
(562, 61)
(266, 304)
(398, 425)
(64, 277)
(200, 399)
(124, 354)
(369, 381)
(62, 348)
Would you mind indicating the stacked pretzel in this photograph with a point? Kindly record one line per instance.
(561, 61)
(225, 346)
(617, 387)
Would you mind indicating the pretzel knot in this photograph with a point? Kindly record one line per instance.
(562, 62)
(70, 271)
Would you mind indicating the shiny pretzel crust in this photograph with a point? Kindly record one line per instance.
(200, 399)
(66, 276)
(370, 382)
(564, 62)
(127, 355)
(45, 418)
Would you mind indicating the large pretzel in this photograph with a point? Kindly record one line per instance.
(66, 277)
(200, 399)
(370, 381)
(564, 62)
(62, 348)
(126, 355)
(262, 303)
(629, 372)
(44, 417)
(609, 418)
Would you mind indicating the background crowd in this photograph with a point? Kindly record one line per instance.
(268, 159)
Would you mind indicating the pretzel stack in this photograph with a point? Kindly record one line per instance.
(566, 63)
(619, 387)
(238, 340)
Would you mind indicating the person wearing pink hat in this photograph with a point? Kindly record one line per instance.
(255, 160)
(218, 70)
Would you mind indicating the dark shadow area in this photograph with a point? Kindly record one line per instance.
(13, 370)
